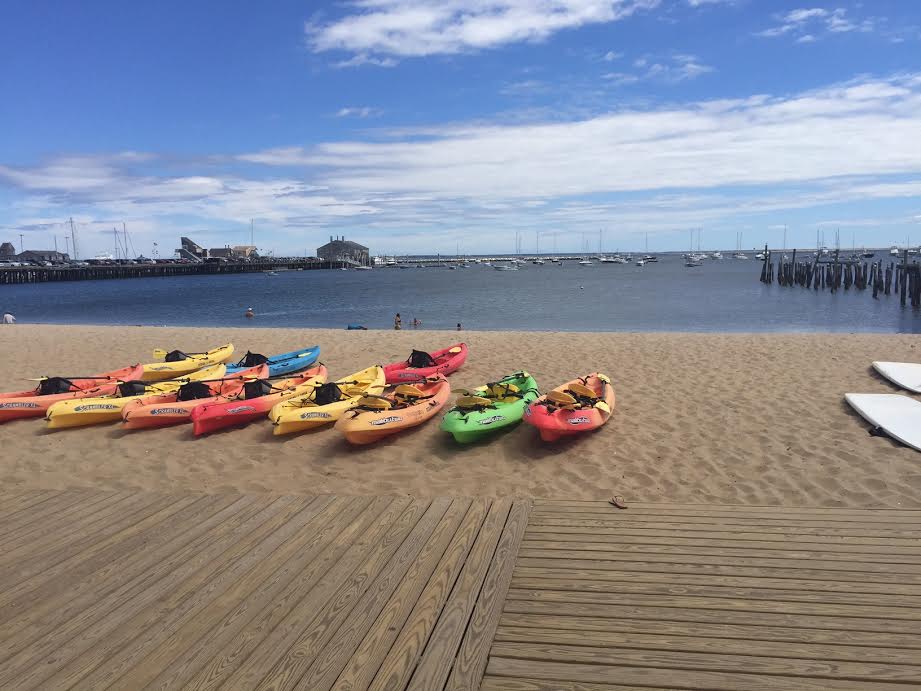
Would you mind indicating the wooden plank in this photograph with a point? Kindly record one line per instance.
(524, 684)
(74, 509)
(723, 645)
(438, 657)
(669, 507)
(12, 503)
(790, 563)
(684, 660)
(640, 528)
(752, 522)
(682, 580)
(672, 678)
(722, 568)
(402, 658)
(666, 625)
(85, 556)
(856, 610)
(73, 637)
(367, 657)
(471, 659)
(165, 645)
(718, 539)
(69, 604)
(564, 583)
(901, 516)
(334, 655)
(912, 557)
(267, 664)
(712, 616)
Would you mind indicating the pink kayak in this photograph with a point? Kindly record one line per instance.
(420, 364)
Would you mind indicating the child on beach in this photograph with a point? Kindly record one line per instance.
(397, 322)
(8, 318)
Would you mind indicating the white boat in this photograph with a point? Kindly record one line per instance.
(716, 255)
(761, 255)
(585, 262)
(620, 260)
(607, 260)
(538, 262)
(505, 267)
(691, 263)
(362, 268)
(894, 252)
(740, 255)
(641, 262)
(650, 258)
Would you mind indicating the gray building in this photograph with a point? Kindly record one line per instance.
(42, 256)
(7, 250)
(341, 250)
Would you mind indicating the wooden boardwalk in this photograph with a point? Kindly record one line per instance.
(131, 590)
(704, 597)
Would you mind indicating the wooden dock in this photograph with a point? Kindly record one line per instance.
(129, 590)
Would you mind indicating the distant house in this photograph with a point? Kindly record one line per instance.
(342, 250)
(7, 250)
(42, 256)
(221, 252)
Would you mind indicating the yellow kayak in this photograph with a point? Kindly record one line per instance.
(326, 403)
(176, 363)
(77, 412)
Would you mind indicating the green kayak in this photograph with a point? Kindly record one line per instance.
(490, 408)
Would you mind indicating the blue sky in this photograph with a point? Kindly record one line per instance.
(420, 125)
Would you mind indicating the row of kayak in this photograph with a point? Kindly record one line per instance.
(365, 406)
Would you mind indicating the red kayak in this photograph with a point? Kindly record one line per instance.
(420, 365)
(35, 402)
(175, 407)
(258, 401)
(582, 405)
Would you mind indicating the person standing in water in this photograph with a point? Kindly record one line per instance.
(459, 328)
(249, 313)
(397, 322)
(8, 318)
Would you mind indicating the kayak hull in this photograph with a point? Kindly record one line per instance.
(447, 361)
(98, 410)
(469, 426)
(294, 415)
(287, 363)
(25, 404)
(158, 371)
(361, 427)
(211, 417)
(555, 423)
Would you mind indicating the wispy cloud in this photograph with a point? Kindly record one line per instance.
(358, 112)
(411, 28)
(808, 23)
(671, 70)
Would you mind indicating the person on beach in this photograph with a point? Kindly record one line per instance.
(416, 323)
(459, 327)
(397, 322)
(8, 318)
(249, 313)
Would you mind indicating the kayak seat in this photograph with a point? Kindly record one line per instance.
(500, 390)
(193, 390)
(374, 403)
(472, 402)
(55, 385)
(419, 358)
(561, 398)
(408, 392)
(583, 393)
(257, 388)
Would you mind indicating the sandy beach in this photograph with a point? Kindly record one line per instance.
(739, 419)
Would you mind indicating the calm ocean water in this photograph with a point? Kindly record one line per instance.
(719, 296)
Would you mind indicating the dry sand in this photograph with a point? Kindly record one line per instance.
(741, 419)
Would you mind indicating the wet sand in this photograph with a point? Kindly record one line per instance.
(740, 419)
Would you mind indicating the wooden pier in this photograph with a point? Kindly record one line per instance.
(44, 274)
(140, 590)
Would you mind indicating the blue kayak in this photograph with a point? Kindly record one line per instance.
(279, 365)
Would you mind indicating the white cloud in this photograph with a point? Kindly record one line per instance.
(671, 70)
(358, 112)
(807, 23)
(411, 28)
(360, 59)
(698, 163)
(611, 56)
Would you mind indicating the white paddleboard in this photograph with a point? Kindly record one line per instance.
(899, 416)
(904, 374)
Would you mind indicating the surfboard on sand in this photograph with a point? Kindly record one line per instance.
(897, 415)
(904, 374)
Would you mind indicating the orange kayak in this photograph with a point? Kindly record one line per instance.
(400, 407)
(175, 407)
(35, 402)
